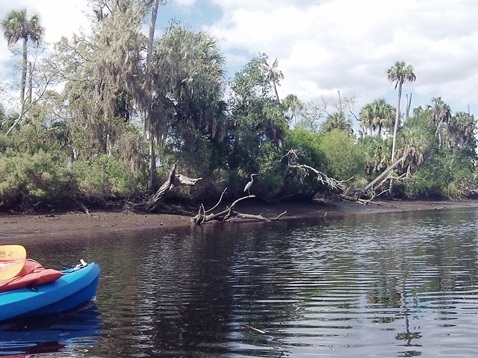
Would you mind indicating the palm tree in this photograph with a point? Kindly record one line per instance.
(376, 116)
(189, 83)
(16, 26)
(338, 121)
(440, 115)
(462, 130)
(415, 143)
(273, 74)
(383, 115)
(399, 73)
(293, 107)
(366, 120)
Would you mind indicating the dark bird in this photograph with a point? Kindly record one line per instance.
(249, 184)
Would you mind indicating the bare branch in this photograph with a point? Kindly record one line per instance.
(229, 213)
(173, 181)
(332, 183)
(258, 217)
(217, 204)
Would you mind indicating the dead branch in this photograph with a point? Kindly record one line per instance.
(258, 217)
(217, 204)
(83, 208)
(229, 213)
(332, 183)
(223, 215)
(173, 181)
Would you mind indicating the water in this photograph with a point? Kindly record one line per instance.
(388, 285)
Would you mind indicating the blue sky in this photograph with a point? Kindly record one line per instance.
(195, 15)
(323, 46)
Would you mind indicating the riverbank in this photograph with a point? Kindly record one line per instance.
(15, 227)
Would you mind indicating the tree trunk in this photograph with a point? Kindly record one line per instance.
(24, 73)
(383, 175)
(409, 105)
(397, 119)
(152, 182)
(395, 127)
(30, 83)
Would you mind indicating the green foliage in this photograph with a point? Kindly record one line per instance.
(29, 139)
(257, 124)
(307, 145)
(336, 121)
(376, 116)
(344, 157)
(189, 85)
(38, 177)
(442, 176)
(376, 154)
(98, 137)
(106, 176)
(440, 159)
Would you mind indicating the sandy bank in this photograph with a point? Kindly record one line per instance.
(13, 227)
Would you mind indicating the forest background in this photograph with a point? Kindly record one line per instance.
(104, 117)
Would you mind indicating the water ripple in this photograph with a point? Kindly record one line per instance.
(392, 285)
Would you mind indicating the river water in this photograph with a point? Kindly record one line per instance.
(376, 285)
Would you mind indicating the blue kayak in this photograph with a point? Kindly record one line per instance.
(74, 288)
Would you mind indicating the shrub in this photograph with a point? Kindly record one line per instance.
(106, 176)
(36, 178)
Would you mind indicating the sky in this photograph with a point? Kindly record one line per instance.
(322, 46)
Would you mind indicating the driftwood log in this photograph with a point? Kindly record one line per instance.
(228, 214)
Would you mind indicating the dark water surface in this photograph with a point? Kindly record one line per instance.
(387, 285)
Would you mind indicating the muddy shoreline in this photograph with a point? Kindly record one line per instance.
(79, 224)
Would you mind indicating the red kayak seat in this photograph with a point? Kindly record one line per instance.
(32, 274)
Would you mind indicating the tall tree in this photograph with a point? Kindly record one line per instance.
(17, 26)
(440, 115)
(257, 118)
(376, 116)
(399, 73)
(188, 106)
(105, 75)
(293, 107)
(272, 73)
(148, 111)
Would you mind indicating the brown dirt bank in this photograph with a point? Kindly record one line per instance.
(21, 227)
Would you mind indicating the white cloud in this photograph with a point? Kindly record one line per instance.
(348, 45)
(185, 3)
(328, 45)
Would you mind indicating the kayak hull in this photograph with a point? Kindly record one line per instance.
(74, 288)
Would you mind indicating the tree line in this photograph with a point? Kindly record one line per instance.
(105, 115)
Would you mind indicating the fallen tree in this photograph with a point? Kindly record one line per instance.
(363, 195)
(173, 180)
(384, 176)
